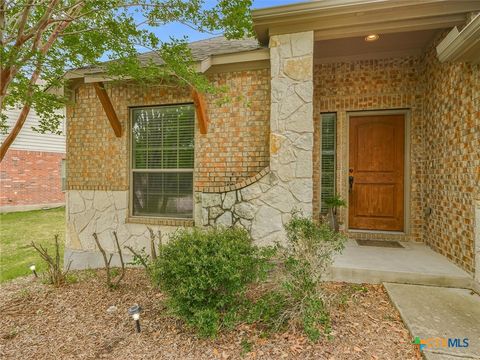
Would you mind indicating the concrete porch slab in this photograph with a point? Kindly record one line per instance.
(436, 312)
(413, 264)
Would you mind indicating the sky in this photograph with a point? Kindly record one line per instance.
(179, 30)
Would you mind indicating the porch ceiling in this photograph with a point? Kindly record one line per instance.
(388, 45)
(333, 19)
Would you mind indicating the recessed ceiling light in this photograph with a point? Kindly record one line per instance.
(372, 37)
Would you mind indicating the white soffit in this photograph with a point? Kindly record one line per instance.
(388, 45)
(331, 19)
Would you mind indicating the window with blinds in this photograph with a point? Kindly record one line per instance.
(163, 161)
(328, 159)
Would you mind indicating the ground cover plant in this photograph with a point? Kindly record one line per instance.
(18, 230)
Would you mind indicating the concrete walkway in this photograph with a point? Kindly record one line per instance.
(415, 263)
(436, 312)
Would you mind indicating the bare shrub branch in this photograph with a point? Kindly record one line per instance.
(137, 256)
(153, 251)
(111, 284)
(56, 275)
(141, 257)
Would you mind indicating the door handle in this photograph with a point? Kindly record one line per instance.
(350, 183)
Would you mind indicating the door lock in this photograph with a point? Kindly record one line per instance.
(350, 183)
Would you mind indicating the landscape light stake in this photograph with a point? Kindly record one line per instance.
(134, 311)
(33, 269)
(56, 275)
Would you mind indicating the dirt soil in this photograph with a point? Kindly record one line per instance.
(38, 321)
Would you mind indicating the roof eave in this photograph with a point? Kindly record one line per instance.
(251, 56)
(333, 18)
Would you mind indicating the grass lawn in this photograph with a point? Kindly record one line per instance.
(18, 230)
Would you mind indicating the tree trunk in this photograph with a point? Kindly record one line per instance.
(332, 220)
(33, 80)
(14, 132)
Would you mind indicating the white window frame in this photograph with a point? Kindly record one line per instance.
(132, 170)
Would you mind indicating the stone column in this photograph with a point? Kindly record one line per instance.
(291, 117)
(265, 204)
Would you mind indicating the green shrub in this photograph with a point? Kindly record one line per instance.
(268, 310)
(310, 249)
(205, 273)
(307, 255)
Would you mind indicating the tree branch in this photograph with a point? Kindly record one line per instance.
(120, 255)
(33, 80)
(105, 260)
(2, 23)
(23, 21)
(57, 276)
(137, 256)
(108, 261)
(39, 27)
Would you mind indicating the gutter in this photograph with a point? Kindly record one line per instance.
(461, 46)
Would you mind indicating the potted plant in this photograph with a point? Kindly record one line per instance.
(333, 204)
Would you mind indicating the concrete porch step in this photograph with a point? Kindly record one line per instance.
(413, 264)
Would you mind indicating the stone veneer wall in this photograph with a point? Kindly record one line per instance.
(452, 159)
(266, 202)
(102, 212)
(379, 84)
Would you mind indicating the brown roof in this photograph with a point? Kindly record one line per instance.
(214, 46)
(201, 50)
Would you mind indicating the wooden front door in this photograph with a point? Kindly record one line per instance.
(376, 172)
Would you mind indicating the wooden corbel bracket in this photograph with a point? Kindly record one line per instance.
(108, 108)
(201, 111)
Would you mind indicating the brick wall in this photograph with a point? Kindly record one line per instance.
(370, 85)
(452, 157)
(234, 149)
(236, 145)
(31, 178)
(444, 100)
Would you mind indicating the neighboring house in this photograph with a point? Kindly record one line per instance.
(318, 107)
(32, 174)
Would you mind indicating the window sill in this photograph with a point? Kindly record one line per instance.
(159, 221)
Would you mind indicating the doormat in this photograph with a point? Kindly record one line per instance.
(379, 243)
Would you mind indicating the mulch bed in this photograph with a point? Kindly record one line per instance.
(38, 321)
